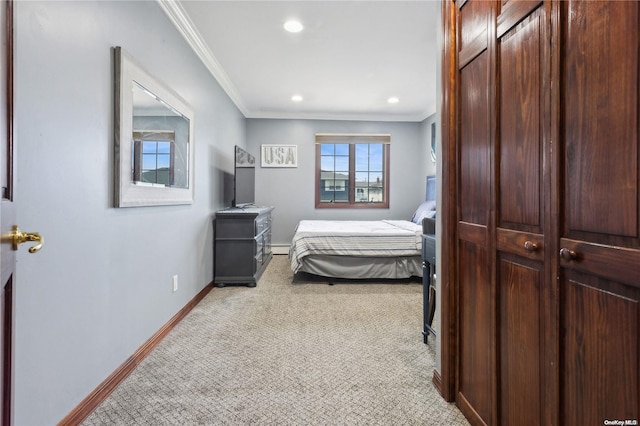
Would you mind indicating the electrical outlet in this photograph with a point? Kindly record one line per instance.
(175, 283)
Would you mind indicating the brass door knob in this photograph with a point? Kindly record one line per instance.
(18, 237)
(530, 246)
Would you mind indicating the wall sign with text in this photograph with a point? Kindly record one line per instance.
(279, 155)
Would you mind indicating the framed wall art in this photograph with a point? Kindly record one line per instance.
(279, 155)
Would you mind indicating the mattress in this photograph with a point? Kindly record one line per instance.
(362, 239)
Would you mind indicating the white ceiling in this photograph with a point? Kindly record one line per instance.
(349, 59)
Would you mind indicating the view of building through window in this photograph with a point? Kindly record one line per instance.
(353, 173)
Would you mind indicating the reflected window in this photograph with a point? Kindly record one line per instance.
(160, 142)
(154, 158)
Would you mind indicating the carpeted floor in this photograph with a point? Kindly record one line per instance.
(292, 351)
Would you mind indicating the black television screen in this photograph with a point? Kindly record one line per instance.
(244, 178)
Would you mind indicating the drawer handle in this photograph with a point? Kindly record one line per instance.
(567, 254)
(530, 246)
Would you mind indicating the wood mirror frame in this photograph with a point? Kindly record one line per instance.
(130, 192)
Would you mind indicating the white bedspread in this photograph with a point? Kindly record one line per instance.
(384, 238)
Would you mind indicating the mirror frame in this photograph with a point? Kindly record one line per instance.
(127, 194)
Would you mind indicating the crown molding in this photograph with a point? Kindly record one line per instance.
(177, 15)
(180, 19)
(337, 117)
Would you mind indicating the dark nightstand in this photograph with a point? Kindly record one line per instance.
(428, 283)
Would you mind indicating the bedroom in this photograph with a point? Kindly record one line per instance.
(99, 288)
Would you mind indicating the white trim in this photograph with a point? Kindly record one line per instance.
(178, 16)
(180, 19)
(338, 117)
(355, 135)
(280, 248)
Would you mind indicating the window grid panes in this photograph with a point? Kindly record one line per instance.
(352, 174)
(156, 162)
(335, 173)
(369, 171)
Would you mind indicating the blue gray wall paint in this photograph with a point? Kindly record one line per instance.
(291, 190)
(101, 285)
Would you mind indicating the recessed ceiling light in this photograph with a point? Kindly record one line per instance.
(393, 100)
(296, 98)
(293, 26)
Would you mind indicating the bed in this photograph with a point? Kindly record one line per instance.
(382, 249)
(386, 249)
(357, 249)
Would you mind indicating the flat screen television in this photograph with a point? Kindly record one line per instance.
(244, 178)
(431, 189)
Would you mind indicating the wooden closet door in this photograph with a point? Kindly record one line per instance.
(599, 210)
(475, 393)
(522, 220)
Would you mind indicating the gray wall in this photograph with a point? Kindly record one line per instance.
(101, 285)
(291, 190)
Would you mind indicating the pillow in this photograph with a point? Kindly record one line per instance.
(426, 209)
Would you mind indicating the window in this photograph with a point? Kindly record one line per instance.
(153, 158)
(352, 171)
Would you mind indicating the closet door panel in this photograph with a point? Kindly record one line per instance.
(476, 381)
(475, 184)
(599, 272)
(520, 144)
(520, 229)
(599, 366)
(600, 96)
(473, 38)
(474, 387)
(520, 281)
(476, 298)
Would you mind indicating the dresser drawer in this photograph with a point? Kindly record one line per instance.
(429, 248)
(259, 245)
(262, 223)
(234, 228)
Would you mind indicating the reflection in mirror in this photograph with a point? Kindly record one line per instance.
(153, 139)
(160, 142)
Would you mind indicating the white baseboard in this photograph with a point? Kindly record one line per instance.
(280, 248)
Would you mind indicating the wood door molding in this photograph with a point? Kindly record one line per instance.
(513, 12)
(448, 207)
(8, 190)
(7, 213)
(7, 350)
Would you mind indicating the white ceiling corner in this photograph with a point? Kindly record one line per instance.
(185, 26)
(351, 56)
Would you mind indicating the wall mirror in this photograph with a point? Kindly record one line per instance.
(153, 139)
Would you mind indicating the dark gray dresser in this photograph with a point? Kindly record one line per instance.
(242, 245)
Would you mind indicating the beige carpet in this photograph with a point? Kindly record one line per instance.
(292, 351)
